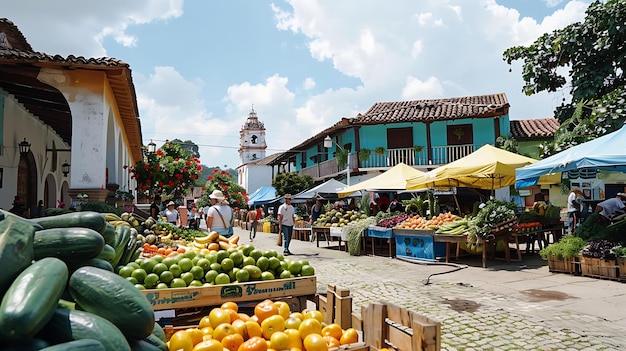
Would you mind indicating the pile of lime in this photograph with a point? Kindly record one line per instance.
(235, 265)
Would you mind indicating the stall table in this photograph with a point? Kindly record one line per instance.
(492, 241)
(542, 236)
(375, 232)
(450, 239)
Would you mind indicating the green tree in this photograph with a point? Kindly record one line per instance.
(292, 183)
(224, 181)
(592, 53)
(189, 146)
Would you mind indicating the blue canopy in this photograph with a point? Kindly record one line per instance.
(607, 153)
(262, 196)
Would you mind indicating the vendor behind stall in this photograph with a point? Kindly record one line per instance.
(595, 226)
(612, 209)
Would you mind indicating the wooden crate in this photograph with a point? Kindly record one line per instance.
(596, 267)
(621, 266)
(215, 295)
(564, 265)
(393, 327)
(336, 306)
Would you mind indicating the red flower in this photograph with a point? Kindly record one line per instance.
(210, 178)
(146, 166)
(216, 170)
(159, 152)
(185, 170)
(224, 172)
(199, 168)
(187, 163)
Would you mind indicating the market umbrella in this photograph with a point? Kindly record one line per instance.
(607, 153)
(394, 179)
(263, 196)
(326, 190)
(487, 168)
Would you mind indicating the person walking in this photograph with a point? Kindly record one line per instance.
(316, 210)
(252, 220)
(219, 217)
(155, 207)
(286, 214)
(573, 209)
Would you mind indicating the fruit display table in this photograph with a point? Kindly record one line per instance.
(449, 240)
(214, 295)
(375, 232)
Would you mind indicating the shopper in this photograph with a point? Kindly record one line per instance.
(171, 214)
(155, 207)
(252, 221)
(286, 214)
(219, 217)
(574, 204)
(316, 210)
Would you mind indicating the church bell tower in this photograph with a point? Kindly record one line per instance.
(252, 139)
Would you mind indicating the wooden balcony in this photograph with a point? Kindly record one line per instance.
(440, 155)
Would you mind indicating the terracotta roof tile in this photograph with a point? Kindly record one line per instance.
(482, 106)
(529, 129)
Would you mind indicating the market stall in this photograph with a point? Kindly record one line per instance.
(394, 179)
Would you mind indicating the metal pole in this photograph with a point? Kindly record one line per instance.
(348, 171)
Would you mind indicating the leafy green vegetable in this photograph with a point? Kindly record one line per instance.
(569, 246)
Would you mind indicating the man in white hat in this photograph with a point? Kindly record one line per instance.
(171, 214)
(286, 214)
(219, 217)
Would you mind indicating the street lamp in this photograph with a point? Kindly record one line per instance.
(65, 169)
(328, 143)
(151, 147)
(24, 147)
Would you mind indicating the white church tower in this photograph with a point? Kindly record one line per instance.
(253, 173)
(252, 139)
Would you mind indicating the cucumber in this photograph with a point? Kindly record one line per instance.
(109, 233)
(122, 237)
(92, 262)
(107, 254)
(32, 299)
(87, 219)
(114, 298)
(68, 244)
(16, 247)
(68, 325)
(77, 345)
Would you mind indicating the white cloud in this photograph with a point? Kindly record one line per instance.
(418, 47)
(415, 89)
(308, 83)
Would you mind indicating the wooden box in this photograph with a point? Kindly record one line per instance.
(621, 266)
(215, 295)
(564, 265)
(596, 267)
(399, 329)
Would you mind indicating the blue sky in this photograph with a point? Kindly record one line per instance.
(199, 66)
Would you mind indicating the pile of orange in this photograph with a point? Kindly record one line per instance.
(422, 223)
(272, 327)
(152, 250)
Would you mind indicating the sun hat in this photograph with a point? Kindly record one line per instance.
(621, 195)
(287, 196)
(217, 195)
(171, 203)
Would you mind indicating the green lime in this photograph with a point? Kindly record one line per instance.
(126, 271)
(295, 267)
(222, 254)
(216, 267)
(267, 276)
(237, 258)
(263, 263)
(285, 274)
(212, 257)
(169, 261)
(227, 264)
(162, 286)
(133, 264)
(248, 261)
(253, 271)
(148, 265)
(159, 268)
(195, 283)
(304, 262)
(270, 253)
(255, 254)
(246, 249)
(242, 276)
(209, 277)
(176, 270)
(187, 277)
(281, 257)
(222, 278)
(178, 283)
(185, 264)
(158, 258)
(197, 271)
(132, 280)
(139, 274)
(307, 270)
(274, 263)
(140, 287)
(204, 263)
(166, 277)
(189, 254)
(151, 280)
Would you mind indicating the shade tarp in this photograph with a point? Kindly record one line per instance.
(263, 195)
(607, 152)
(487, 168)
(326, 190)
(394, 179)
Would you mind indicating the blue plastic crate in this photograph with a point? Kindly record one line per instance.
(419, 247)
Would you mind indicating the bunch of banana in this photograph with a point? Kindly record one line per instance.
(458, 227)
(214, 242)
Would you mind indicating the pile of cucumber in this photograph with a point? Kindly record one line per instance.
(59, 291)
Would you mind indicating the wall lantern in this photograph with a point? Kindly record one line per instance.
(65, 168)
(151, 147)
(24, 147)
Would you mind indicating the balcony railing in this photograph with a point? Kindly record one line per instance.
(409, 156)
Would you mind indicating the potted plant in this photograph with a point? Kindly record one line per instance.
(364, 155)
(380, 151)
(418, 148)
(562, 255)
(341, 155)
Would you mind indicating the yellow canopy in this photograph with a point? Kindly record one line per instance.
(486, 168)
(394, 178)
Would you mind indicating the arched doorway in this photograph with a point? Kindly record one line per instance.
(27, 181)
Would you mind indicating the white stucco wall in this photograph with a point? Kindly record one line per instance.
(253, 176)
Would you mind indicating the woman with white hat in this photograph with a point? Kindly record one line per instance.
(171, 214)
(219, 217)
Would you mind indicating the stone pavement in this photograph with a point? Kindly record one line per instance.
(515, 306)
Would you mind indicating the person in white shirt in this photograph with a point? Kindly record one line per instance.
(612, 208)
(574, 204)
(219, 217)
(286, 214)
(171, 214)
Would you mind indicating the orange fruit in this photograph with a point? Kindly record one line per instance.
(279, 341)
(349, 336)
(331, 342)
(204, 322)
(315, 342)
(255, 343)
(333, 330)
(283, 308)
(222, 331)
(316, 314)
(181, 340)
(218, 316)
(196, 334)
(252, 329)
(229, 305)
(310, 326)
(295, 341)
(272, 324)
(232, 341)
(232, 314)
(265, 309)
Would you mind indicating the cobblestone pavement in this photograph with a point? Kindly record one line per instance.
(515, 306)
